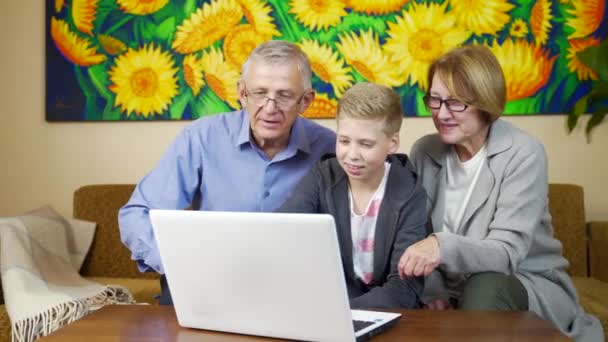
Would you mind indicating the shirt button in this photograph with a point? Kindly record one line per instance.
(266, 193)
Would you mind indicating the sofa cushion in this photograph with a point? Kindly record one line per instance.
(567, 208)
(593, 295)
(598, 250)
(143, 290)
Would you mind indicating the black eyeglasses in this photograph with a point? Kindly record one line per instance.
(261, 98)
(452, 105)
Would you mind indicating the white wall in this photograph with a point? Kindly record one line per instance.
(43, 163)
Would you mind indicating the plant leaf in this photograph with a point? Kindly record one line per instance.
(575, 113)
(596, 119)
(596, 58)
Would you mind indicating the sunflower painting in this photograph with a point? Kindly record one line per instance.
(125, 60)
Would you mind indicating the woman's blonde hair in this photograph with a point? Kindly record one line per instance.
(473, 75)
(372, 101)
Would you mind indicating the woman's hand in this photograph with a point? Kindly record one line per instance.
(420, 258)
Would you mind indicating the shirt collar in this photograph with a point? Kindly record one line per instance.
(243, 136)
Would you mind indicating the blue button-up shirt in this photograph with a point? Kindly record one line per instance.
(215, 158)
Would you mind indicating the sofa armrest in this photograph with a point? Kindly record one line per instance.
(598, 249)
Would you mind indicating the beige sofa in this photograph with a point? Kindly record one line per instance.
(108, 262)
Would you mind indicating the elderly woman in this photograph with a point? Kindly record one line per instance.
(493, 246)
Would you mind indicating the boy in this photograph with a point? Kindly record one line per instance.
(374, 196)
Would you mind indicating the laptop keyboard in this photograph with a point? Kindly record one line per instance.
(359, 325)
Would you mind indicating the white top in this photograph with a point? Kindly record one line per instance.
(460, 182)
(363, 230)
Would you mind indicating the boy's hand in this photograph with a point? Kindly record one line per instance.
(420, 259)
(438, 304)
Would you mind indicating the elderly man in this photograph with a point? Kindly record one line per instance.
(248, 160)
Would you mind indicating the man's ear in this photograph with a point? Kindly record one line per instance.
(307, 99)
(240, 88)
(394, 143)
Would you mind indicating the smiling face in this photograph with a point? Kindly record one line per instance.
(270, 121)
(362, 147)
(467, 130)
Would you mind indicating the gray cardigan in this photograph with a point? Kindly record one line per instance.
(506, 227)
(401, 222)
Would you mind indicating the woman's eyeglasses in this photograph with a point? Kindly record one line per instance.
(452, 105)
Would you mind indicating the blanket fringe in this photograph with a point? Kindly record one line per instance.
(46, 322)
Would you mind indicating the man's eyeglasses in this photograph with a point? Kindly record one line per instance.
(283, 101)
(452, 105)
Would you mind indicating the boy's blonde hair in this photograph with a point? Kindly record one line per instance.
(473, 75)
(372, 101)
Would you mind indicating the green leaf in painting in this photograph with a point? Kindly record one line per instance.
(189, 7)
(148, 30)
(208, 103)
(165, 30)
(99, 77)
(179, 105)
(110, 113)
(119, 24)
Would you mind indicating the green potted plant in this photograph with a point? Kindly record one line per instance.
(596, 101)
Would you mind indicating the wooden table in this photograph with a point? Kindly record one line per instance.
(158, 323)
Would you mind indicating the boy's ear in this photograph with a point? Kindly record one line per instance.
(394, 143)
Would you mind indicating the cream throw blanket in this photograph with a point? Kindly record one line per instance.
(40, 255)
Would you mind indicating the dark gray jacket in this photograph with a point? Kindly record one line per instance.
(401, 222)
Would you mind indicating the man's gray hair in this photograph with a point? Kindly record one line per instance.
(279, 52)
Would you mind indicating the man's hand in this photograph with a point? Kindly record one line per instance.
(420, 258)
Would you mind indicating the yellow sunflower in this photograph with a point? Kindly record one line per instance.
(519, 28)
(321, 107)
(327, 65)
(193, 73)
(540, 20)
(363, 52)
(583, 72)
(144, 81)
(257, 14)
(111, 45)
(419, 36)
(220, 76)
(84, 13)
(59, 5)
(376, 7)
(239, 43)
(77, 50)
(207, 25)
(141, 7)
(482, 16)
(588, 15)
(316, 15)
(527, 67)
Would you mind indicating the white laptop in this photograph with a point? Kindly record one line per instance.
(266, 274)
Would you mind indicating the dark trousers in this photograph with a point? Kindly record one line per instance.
(493, 291)
(165, 294)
